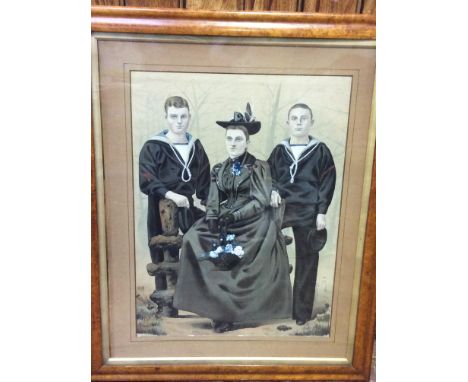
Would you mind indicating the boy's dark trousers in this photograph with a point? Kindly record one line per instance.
(305, 276)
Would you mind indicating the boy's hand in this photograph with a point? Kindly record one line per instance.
(179, 200)
(321, 223)
(275, 199)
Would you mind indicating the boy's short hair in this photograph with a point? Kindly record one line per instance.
(301, 106)
(177, 102)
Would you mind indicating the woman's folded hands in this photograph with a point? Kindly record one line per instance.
(227, 219)
(213, 225)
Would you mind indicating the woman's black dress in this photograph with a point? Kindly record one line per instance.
(258, 288)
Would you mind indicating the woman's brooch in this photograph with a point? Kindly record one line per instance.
(236, 168)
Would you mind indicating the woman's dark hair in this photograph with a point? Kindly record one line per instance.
(241, 128)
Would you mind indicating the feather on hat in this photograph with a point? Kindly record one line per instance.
(247, 120)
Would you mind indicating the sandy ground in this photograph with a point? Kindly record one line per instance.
(195, 325)
(189, 324)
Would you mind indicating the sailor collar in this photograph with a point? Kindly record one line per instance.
(186, 175)
(310, 147)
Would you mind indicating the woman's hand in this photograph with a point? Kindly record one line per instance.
(321, 223)
(275, 199)
(213, 225)
(178, 199)
(227, 219)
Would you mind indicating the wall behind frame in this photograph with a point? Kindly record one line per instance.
(310, 6)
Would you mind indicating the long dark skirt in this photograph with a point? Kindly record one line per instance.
(258, 288)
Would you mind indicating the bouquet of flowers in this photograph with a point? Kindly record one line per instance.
(227, 253)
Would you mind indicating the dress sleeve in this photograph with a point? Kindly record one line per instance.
(271, 162)
(212, 202)
(260, 191)
(327, 180)
(148, 174)
(203, 178)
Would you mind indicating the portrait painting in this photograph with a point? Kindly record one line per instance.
(233, 178)
(217, 97)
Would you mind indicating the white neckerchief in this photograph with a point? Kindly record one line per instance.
(297, 150)
(185, 163)
(183, 149)
(295, 162)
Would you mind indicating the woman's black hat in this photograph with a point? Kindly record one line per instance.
(247, 120)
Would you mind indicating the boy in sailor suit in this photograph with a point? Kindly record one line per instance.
(304, 175)
(173, 165)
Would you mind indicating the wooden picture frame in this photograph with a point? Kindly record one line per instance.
(301, 30)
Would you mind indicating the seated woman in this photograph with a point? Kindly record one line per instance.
(238, 221)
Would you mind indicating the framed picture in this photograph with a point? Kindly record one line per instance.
(233, 195)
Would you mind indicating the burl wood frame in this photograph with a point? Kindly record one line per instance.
(271, 24)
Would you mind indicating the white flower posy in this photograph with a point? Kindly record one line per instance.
(238, 251)
(214, 254)
(228, 248)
